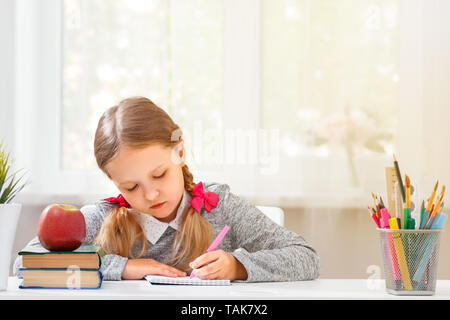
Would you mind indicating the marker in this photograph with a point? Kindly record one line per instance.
(400, 255)
(385, 218)
(427, 248)
(215, 243)
(406, 216)
(411, 223)
(393, 261)
(442, 221)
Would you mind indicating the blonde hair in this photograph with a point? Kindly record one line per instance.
(137, 122)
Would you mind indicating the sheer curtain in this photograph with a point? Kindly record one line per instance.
(330, 83)
(168, 51)
(347, 237)
(281, 99)
(425, 98)
(308, 94)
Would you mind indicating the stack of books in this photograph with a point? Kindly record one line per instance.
(77, 269)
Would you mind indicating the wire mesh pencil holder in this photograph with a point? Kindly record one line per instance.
(410, 260)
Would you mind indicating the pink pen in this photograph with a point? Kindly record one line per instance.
(215, 243)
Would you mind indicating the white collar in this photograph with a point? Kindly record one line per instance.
(153, 228)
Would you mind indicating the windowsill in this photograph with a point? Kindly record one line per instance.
(347, 201)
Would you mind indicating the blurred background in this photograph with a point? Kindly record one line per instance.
(298, 104)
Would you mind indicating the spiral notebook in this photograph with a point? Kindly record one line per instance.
(154, 279)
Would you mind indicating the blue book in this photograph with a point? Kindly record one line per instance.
(63, 278)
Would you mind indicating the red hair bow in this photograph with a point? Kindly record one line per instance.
(120, 199)
(210, 199)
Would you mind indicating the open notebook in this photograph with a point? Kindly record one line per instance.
(185, 281)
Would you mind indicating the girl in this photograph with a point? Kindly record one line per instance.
(162, 222)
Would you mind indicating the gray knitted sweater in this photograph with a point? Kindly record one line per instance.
(268, 251)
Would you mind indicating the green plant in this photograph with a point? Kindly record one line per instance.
(9, 185)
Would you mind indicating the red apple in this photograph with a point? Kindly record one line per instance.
(61, 227)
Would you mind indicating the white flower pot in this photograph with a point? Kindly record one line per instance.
(9, 216)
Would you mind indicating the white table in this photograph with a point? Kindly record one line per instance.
(335, 289)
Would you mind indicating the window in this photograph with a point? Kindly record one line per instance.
(168, 51)
(299, 77)
(330, 61)
(330, 81)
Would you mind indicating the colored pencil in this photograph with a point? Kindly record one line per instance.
(428, 218)
(408, 192)
(437, 207)
(399, 178)
(431, 198)
(374, 217)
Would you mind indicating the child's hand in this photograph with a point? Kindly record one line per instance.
(218, 265)
(136, 269)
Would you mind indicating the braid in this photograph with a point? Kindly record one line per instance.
(188, 179)
(194, 237)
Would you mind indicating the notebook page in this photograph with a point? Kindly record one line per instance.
(185, 281)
